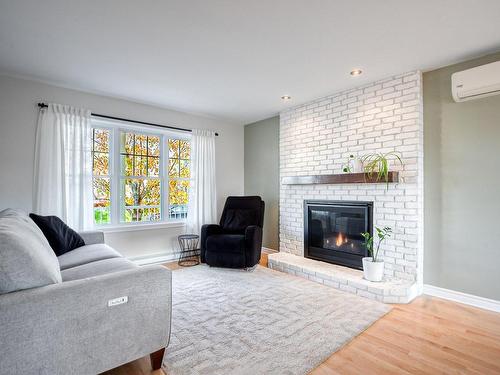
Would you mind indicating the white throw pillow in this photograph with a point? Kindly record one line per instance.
(26, 258)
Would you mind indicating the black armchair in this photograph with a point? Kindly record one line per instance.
(237, 241)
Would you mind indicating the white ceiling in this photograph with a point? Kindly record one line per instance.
(234, 59)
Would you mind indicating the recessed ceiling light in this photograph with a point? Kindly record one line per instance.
(356, 72)
(286, 97)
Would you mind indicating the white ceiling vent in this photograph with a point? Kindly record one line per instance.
(476, 83)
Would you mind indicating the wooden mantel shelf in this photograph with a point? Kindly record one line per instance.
(345, 178)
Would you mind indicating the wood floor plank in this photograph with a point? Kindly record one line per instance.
(427, 336)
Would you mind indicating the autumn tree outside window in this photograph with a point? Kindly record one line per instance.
(179, 152)
(101, 175)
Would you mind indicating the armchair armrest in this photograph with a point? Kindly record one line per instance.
(206, 231)
(59, 328)
(253, 244)
(92, 237)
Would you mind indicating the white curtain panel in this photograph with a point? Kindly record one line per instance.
(63, 165)
(202, 207)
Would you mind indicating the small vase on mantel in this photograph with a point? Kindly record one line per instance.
(357, 165)
(354, 165)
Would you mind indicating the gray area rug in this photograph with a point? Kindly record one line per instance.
(261, 322)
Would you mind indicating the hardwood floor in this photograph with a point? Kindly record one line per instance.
(427, 336)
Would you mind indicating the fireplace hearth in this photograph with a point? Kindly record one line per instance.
(332, 231)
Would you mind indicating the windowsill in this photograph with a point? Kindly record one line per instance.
(139, 227)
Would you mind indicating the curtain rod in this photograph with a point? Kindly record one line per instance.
(43, 105)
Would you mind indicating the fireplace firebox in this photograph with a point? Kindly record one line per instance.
(332, 231)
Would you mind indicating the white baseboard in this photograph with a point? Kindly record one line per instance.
(169, 257)
(467, 299)
(160, 258)
(157, 258)
(154, 259)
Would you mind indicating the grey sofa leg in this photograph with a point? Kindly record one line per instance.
(157, 359)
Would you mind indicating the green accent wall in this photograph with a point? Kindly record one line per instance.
(262, 173)
(461, 187)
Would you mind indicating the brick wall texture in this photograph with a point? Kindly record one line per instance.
(318, 137)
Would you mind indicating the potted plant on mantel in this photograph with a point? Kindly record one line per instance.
(373, 267)
(375, 165)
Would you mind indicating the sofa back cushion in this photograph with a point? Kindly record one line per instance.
(61, 237)
(26, 259)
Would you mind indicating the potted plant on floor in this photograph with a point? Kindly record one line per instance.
(373, 267)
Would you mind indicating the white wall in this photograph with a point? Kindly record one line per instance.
(318, 137)
(18, 113)
(262, 151)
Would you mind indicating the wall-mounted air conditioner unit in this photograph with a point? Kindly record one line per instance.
(476, 83)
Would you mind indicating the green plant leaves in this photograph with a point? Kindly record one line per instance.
(382, 234)
(368, 242)
(378, 163)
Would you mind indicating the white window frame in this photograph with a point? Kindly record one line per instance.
(116, 127)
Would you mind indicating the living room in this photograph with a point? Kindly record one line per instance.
(228, 187)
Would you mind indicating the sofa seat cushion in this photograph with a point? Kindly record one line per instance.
(86, 254)
(26, 258)
(100, 267)
(227, 243)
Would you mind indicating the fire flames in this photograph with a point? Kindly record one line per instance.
(339, 240)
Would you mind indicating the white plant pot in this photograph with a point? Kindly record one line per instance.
(373, 271)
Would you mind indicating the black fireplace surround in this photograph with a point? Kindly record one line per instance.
(332, 231)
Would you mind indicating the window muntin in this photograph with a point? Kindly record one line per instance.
(101, 175)
(179, 173)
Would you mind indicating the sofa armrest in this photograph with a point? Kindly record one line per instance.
(207, 230)
(92, 237)
(253, 244)
(70, 327)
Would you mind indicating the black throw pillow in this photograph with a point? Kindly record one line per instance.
(61, 237)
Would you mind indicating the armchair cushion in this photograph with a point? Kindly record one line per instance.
(226, 250)
(230, 243)
(61, 237)
(26, 259)
(236, 220)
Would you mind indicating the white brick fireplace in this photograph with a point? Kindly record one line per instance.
(318, 137)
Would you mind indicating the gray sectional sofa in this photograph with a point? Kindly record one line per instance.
(85, 312)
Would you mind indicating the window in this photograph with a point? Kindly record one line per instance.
(179, 173)
(139, 176)
(101, 185)
(140, 198)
